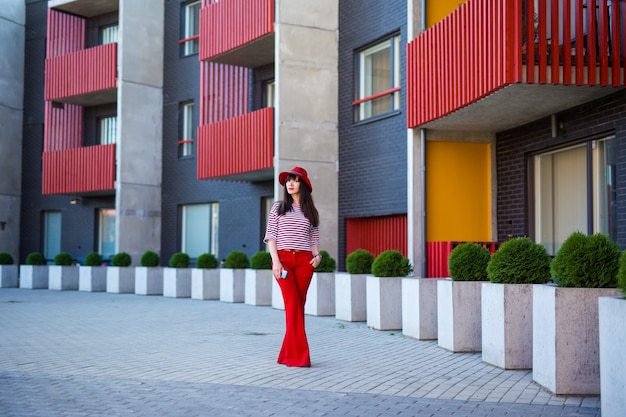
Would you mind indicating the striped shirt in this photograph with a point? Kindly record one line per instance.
(291, 231)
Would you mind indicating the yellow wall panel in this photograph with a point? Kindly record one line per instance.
(438, 9)
(458, 191)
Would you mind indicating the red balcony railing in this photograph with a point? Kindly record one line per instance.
(485, 45)
(79, 170)
(81, 72)
(229, 24)
(236, 146)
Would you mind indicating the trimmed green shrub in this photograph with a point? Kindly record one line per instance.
(207, 261)
(121, 259)
(519, 261)
(236, 260)
(261, 260)
(93, 259)
(359, 262)
(621, 274)
(6, 258)
(63, 259)
(468, 262)
(327, 263)
(586, 262)
(35, 258)
(179, 260)
(150, 258)
(391, 263)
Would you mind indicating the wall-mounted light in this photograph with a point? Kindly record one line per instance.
(75, 200)
(3, 225)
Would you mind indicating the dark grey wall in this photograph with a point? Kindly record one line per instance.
(372, 155)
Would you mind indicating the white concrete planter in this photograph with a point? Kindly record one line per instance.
(121, 279)
(149, 280)
(612, 316)
(8, 276)
(34, 276)
(92, 278)
(459, 327)
(507, 325)
(565, 338)
(384, 302)
(419, 308)
(62, 277)
(205, 284)
(277, 296)
(177, 282)
(350, 296)
(232, 285)
(258, 287)
(320, 298)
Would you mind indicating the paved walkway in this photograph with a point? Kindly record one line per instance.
(80, 354)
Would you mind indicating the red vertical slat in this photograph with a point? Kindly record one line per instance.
(580, 43)
(591, 42)
(615, 43)
(555, 14)
(603, 26)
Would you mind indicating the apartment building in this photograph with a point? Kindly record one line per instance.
(162, 125)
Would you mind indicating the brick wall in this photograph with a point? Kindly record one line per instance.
(372, 155)
(596, 119)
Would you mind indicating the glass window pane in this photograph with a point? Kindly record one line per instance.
(108, 130)
(605, 192)
(200, 229)
(109, 34)
(188, 129)
(106, 233)
(52, 234)
(191, 27)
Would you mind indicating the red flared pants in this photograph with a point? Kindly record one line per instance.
(295, 348)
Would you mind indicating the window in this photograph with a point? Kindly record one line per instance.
(269, 94)
(187, 130)
(574, 190)
(107, 130)
(51, 234)
(190, 41)
(378, 75)
(106, 233)
(108, 34)
(200, 229)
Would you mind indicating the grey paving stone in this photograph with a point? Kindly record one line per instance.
(100, 354)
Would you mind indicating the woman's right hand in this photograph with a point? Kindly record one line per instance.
(277, 269)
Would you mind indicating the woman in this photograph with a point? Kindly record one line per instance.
(293, 239)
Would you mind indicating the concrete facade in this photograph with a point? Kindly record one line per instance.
(12, 49)
(306, 132)
(140, 127)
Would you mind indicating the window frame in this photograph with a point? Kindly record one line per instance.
(102, 138)
(212, 233)
(190, 33)
(364, 102)
(187, 129)
(103, 29)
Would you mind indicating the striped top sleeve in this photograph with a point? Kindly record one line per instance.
(291, 231)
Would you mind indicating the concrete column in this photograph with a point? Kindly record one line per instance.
(306, 114)
(140, 127)
(12, 47)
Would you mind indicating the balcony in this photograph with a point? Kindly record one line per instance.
(240, 148)
(489, 67)
(86, 77)
(79, 170)
(85, 8)
(238, 32)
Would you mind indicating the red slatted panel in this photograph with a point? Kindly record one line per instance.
(63, 127)
(66, 33)
(229, 24)
(481, 47)
(79, 170)
(437, 254)
(238, 145)
(81, 72)
(377, 234)
(224, 92)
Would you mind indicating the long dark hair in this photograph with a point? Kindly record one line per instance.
(306, 202)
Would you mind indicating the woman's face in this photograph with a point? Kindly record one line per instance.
(293, 185)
